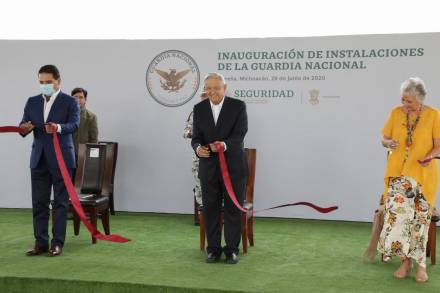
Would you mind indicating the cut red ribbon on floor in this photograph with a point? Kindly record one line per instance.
(231, 193)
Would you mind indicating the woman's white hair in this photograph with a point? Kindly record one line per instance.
(414, 86)
(215, 75)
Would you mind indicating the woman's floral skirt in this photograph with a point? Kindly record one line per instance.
(407, 220)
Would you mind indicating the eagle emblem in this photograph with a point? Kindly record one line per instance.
(172, 78)
(172, 81)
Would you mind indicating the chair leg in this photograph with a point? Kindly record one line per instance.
(76, 223)
(428, 244)
(244, 232)
(202, 231)
(250, 228)
(94, 220)
(112, 204)
(432, 242)
(196, 212)
(106, 221)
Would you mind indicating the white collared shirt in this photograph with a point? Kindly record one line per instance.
(215, 113)
(48, 106)
(216, 110)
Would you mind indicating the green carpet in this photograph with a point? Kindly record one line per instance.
(289, 256)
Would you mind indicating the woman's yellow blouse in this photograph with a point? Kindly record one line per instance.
(427, 129)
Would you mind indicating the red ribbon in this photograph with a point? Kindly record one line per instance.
(231, 193)
(424, 161)
(4, 129)
(71, 189)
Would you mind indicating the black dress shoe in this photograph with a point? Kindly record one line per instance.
(55, 250)
(36, 250)
(212, 257)
(232, 259)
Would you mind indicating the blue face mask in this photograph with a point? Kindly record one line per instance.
(47, 89)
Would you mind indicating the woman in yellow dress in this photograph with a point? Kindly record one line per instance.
(412, 134)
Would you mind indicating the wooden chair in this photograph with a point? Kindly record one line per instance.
(112, 189)
(432, 241)
(431, 246)
(93, 184)
(247, 223)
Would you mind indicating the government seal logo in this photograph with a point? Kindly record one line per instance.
(314, 97)
(173, 78)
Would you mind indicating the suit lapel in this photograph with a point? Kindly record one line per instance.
(53, 108)
(40, 110)
(221, 115)
(210, 115)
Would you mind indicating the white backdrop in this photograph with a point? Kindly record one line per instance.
(327, 153)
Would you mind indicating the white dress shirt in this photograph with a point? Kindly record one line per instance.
(48, 106)
(216, 110)
(215, 113)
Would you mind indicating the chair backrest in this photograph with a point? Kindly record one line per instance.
(91, 170)
(115, 159)
(80, 166)
(107, 184)
(251, 155)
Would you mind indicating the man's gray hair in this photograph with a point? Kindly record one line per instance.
(214, 75)
(414, 86)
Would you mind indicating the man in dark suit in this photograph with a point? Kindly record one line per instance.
(220, 119)
(49, 112)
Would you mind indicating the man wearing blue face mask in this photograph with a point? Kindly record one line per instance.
(49, 112)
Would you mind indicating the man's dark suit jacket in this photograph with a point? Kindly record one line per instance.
(231, 127)
(64, 111)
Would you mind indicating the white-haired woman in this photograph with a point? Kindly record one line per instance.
(412, 132)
